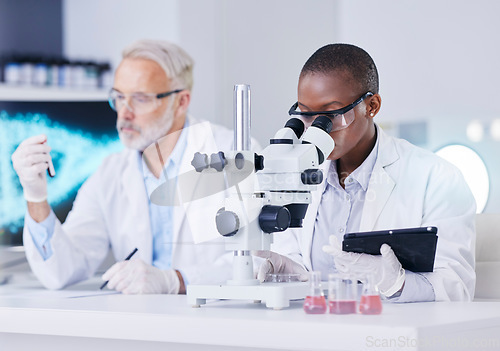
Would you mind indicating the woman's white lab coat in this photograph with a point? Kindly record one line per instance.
(410, 187)
(111, 210)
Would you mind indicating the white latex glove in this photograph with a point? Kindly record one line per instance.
(276, 263)
(137, 277)
(386, 269)
(30, 160)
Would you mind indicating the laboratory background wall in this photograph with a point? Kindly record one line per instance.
(34, 21)
(438, 60)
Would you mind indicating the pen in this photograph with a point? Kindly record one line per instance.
(126, 259)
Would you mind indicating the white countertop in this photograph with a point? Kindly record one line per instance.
(27, 309)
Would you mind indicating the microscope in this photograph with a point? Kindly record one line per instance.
(269, 193)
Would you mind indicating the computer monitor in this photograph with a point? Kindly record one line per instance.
(81, 133)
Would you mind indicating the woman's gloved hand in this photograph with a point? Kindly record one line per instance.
(386, 269)
(276, 263)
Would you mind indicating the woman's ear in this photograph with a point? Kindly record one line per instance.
(373, 105)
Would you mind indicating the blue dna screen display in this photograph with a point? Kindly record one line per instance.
(80, 133)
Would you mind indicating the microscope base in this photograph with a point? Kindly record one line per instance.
(275, 295)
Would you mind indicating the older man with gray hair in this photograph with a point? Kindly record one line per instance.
(151, 95)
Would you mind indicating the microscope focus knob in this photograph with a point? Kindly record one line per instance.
(218, 161)
(312, 176)
(200, 162)
(259, 162)
(227, 222)
(274, 219)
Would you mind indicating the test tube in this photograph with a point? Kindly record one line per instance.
(51, 169)
(342, 294)
(370, 302)
(315, 302)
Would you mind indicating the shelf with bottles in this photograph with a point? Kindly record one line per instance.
(46, 77)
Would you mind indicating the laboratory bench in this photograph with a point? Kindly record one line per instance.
(84, 318)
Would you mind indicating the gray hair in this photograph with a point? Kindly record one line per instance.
(176, 63)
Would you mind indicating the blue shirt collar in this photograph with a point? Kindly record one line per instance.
(361, 174)
(174, 159)
(180, 146)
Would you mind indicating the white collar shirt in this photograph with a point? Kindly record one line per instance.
(340, 210)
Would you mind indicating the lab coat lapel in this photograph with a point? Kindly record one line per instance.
(189, 179)
(136, 222)
(381, 184)
(310, 218)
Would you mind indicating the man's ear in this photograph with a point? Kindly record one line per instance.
(373, 105)
(183, 100)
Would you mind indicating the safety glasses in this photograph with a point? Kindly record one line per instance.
(137, 102)
(340, 118)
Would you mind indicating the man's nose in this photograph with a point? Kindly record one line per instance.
(126, 111)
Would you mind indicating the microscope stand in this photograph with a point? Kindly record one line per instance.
(275, 295)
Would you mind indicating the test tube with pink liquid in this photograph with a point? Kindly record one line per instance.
(370, 302)
(315, 302)
(342, 294)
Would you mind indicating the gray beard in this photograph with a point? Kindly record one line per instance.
(149, 134)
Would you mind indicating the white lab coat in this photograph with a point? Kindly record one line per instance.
(111, 211)
(410, 187)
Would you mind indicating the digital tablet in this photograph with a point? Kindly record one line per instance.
(415, 248)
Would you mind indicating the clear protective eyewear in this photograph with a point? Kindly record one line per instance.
(341, 118)
(137, 102)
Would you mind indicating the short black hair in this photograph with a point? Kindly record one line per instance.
(347, 58)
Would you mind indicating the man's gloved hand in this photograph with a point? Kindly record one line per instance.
(137, 277)
(386, 269)
(276, 263)
(30, 160)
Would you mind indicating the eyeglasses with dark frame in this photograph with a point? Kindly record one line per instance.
(331, 113)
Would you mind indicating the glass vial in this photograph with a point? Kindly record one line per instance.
(370, 302)
(315, 302)
(342, 294)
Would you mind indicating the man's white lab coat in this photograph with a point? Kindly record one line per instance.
(410, 187)
(111, 210)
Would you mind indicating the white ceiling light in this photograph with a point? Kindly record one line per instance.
(495, 129)
(475, 131)
(473, 168)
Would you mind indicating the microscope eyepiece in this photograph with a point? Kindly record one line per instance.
(296, 125)
(323, 123)
(320, 137)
